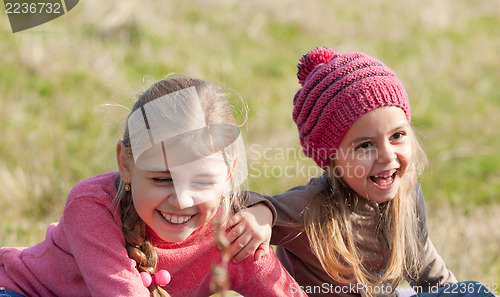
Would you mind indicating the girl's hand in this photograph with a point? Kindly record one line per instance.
(251, 232)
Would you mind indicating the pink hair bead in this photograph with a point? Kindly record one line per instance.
(146, 279)
(162, 277)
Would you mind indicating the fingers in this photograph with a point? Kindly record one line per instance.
(245, 245)
(242, 248)
(262, 251)
(235, 219)
(247, 236)
(237, 223)
(240, 238)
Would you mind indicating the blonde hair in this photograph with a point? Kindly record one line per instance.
(216, 111)
(331, 235)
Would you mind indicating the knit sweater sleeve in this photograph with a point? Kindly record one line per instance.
(91, 232)
(265, 277)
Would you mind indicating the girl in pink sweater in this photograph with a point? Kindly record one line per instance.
(150, 228)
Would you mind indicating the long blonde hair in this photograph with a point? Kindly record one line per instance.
(331, 235)
(216, 111)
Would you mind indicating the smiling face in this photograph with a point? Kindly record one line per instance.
(176, 202)
(375, 153)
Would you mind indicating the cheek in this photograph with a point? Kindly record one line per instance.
(142, 206)
(146, 195)
(209, 208)
(209, 195)
(406, 156)
(355, 167)
(347, 173)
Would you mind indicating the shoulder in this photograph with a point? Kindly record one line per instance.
(319, 184)
(90, 207)
(99, 186)
(316, 186)
(92, 197)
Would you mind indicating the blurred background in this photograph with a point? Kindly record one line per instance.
(66, 86)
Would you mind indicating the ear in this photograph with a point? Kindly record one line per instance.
(125, 162)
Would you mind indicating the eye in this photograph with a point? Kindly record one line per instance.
(162, 179)
(203, 184)
(398, 135)
(364, 145)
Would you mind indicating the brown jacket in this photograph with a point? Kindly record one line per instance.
(295, 254)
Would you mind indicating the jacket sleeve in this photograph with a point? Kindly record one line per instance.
(290, 207)
(434, 274)
(253, 198)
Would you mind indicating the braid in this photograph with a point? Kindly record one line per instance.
(139, 247)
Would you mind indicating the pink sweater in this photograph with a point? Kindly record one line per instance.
(84, 255)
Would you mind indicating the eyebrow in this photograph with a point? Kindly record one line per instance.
(209, 176)
(360, 139)
(365, 138)
(161, 172)
(198, 175)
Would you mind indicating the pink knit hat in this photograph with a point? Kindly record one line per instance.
(336, 91)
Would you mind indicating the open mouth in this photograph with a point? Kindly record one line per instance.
(176, 219)
(384, 180)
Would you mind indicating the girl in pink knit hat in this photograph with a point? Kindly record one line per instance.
(359, 229)
(151, 228)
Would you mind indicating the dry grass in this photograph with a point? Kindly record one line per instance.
(468, 240)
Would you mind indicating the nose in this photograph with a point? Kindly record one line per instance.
(386, 153)
(181, 198)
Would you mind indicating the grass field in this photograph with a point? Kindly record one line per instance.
(65, 88)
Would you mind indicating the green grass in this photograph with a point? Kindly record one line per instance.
(56, 79)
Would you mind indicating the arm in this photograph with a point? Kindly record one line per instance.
(290, 208)
(290, 205)
(250, 232)
(284, 211)
(93, 235)
(251, 228)
(434, 271)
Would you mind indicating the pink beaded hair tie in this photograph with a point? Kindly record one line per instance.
(161, 278)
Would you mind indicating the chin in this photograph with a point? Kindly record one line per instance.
(384, 199)
(380, 198)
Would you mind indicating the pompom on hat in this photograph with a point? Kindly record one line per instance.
(337, 90)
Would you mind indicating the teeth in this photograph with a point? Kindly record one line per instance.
(385, 176)
(384, 180)
(175, 219)
(385, 183)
